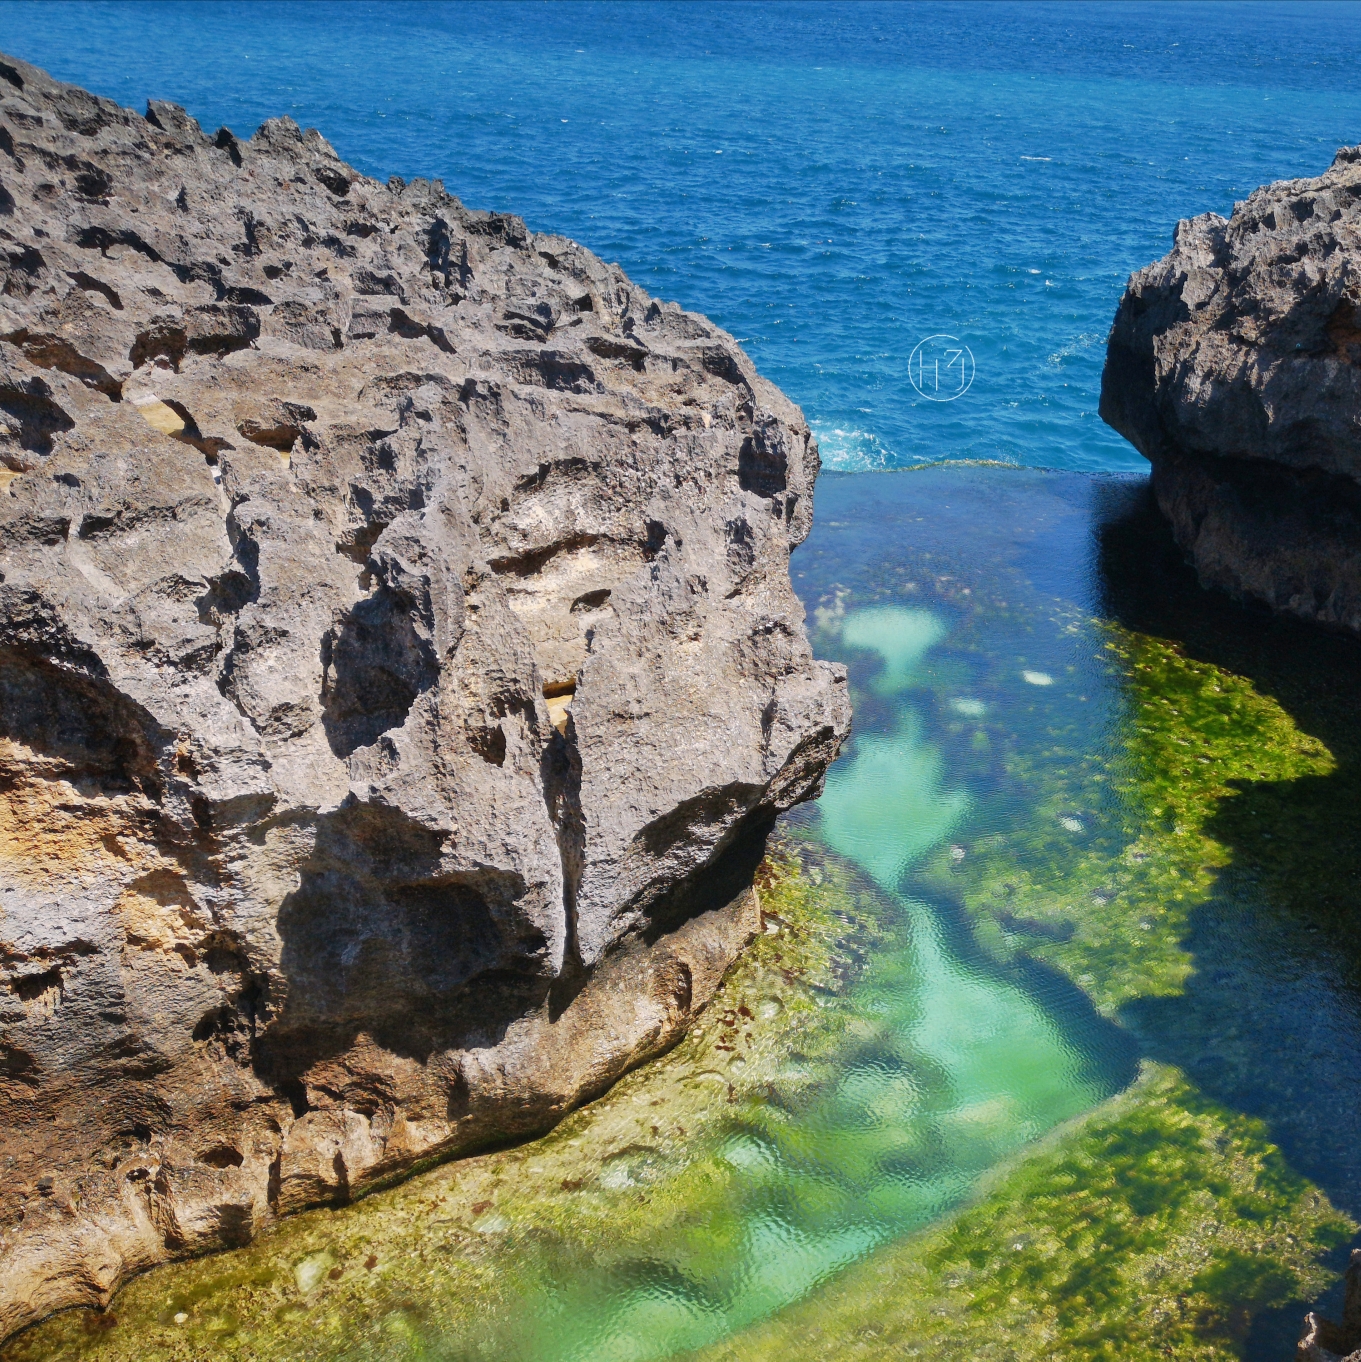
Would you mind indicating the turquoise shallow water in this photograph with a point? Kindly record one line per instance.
(830, 183)
(946, 1067)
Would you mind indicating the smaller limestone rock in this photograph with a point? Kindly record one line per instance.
(1234, 367)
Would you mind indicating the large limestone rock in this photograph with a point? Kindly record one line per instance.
(1234, 365)
(399, 673)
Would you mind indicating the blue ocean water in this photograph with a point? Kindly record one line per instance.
(831, 182)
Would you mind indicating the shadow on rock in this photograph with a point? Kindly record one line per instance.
(377, 940)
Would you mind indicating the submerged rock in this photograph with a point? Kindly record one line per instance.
(1234, 366)
(399, 673)
(1326, 1340)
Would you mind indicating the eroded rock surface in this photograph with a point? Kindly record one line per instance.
(399, 672)
(1234, 366)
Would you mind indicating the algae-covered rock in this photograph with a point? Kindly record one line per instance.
(399, 672)
(1234, 366)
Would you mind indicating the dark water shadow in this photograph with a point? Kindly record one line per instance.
(1270, 1021)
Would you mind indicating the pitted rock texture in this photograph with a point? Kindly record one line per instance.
(1234, 366)
(399, 673)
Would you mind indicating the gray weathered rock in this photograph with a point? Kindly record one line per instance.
(399, 672)
(1234, 366)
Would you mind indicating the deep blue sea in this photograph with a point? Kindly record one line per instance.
(832, 183)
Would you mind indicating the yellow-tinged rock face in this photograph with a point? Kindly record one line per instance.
(158, 415)
(558, 697)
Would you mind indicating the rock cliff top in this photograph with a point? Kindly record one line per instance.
(1234, 365)
(399, 671)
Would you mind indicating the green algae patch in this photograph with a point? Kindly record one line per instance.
(1155, 1227)
(1117, 846)
(1196, 731)
(1156, 817)
(471, 1250)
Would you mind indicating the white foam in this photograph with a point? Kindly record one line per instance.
(852, 451)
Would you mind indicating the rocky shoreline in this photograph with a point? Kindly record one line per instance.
(399, 675)
(1234, 366)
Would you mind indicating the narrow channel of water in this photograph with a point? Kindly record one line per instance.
(1014, 1065)
(946, 1067)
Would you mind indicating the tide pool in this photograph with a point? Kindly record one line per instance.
(1016, 1061)
(951, 1068)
